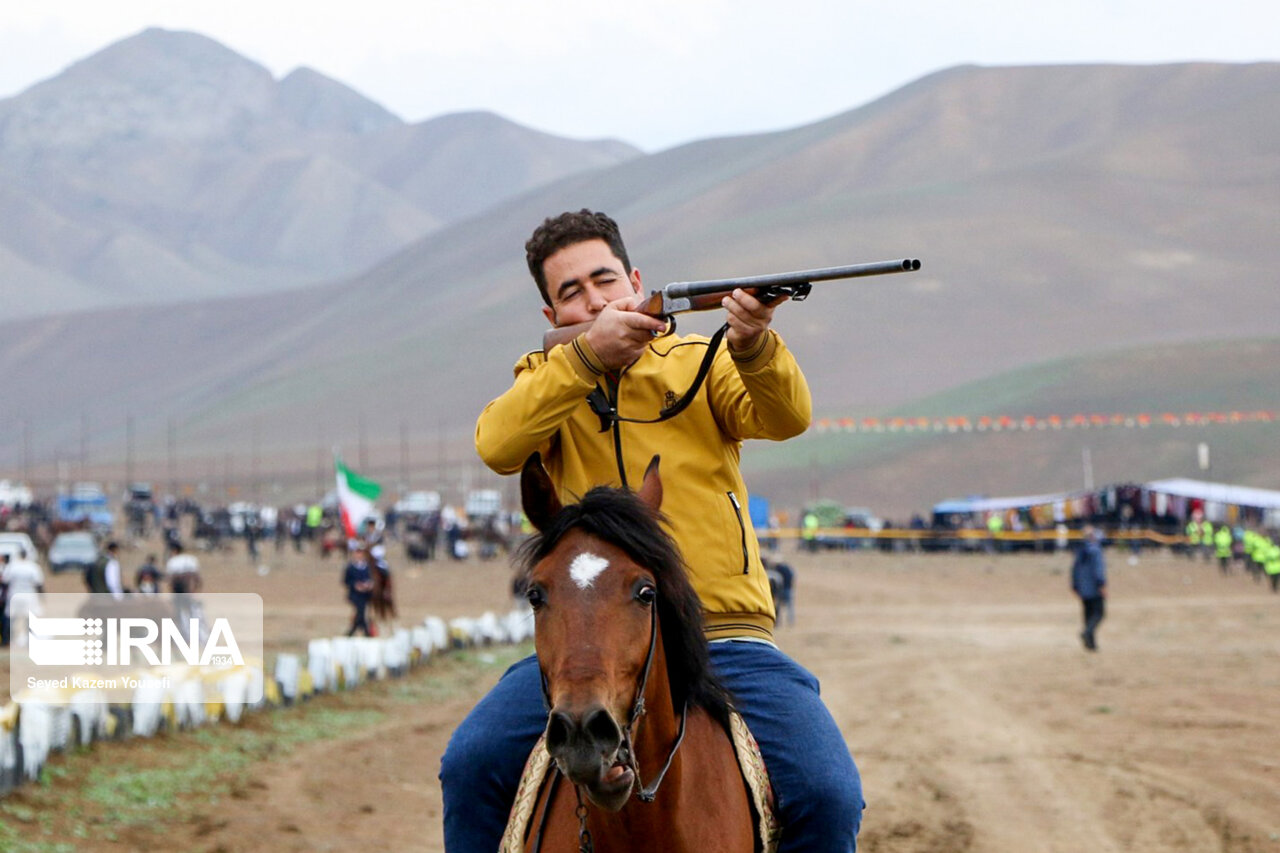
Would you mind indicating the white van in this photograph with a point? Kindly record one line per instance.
(14, 544)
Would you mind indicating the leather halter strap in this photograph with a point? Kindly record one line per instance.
(648, 792)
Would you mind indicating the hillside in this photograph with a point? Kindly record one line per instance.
(1059, 211)
(904, 472)
(168, 168)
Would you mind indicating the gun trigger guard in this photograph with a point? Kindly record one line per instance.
(797, 292)
(670, 329)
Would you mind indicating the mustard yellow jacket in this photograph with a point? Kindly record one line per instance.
(761, 394)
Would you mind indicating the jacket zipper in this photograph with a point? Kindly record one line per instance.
(742, 527)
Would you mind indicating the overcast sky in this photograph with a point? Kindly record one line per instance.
(655, 73)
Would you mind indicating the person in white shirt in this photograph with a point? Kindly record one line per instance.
(111, 572)
(184, 581)
(21, 575)
(183, 571)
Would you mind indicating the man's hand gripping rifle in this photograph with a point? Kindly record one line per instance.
(680, 296)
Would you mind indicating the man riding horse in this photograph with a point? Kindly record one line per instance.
(590, 408)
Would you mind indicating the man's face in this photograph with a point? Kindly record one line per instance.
(582, 279)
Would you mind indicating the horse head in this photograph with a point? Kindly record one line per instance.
(612, 608)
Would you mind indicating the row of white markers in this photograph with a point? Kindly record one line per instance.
(35, 724)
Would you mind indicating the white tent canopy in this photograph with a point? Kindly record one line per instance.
(1217, 492)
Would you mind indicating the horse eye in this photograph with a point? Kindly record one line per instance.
(646, 594)
(535, 597)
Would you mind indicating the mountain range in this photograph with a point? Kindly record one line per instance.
(1089, 235)
(168, 168)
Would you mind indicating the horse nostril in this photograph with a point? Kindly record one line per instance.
(602, 730)
(559, 727)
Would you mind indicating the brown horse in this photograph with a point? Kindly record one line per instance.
(638, 722)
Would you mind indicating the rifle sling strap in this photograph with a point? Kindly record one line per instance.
(599, 401)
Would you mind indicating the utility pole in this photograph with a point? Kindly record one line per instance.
(84, 445)
(364, 460)
(404, 457)
(170, 461)
(26, 451)
(254, 468)
(319, 489)
(128, 450)
(441, 456)
(226, 476)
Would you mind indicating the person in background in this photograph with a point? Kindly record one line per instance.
(1193, 534)
(1271, 564)
(1222, 540)
(183, 570)
(809, 532)
(358, 579)
(4, 600)
(20, 575)
(1089, 581)
(111, 572)
(147, 579)
(995, 528)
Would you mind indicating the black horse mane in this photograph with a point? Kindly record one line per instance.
(620, 518)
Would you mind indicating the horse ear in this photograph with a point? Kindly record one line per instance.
(538, 493)
(651, 489)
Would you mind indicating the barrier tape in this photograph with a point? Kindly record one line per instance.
(1001, 423)
(975, 534)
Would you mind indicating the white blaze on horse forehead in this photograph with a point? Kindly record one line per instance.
(586, 567)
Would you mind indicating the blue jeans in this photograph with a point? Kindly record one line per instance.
(818, 791)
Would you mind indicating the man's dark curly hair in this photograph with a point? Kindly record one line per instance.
(555, 233)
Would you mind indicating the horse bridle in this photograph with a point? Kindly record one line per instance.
(647, 793)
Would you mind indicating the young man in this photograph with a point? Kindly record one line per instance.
(754, 390)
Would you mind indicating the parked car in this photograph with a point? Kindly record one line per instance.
(71, 551)
(417, 504)
(15, 543)
(15, 494)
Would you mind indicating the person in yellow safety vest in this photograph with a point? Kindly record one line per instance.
(1272, 566)
(809, 531)
(315, 518)
(995, 526)
(1261, 551)
(1206, 539)
(1193, 537)
(1261, 546)
(1222, 539)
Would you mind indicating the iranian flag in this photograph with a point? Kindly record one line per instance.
(355, 497)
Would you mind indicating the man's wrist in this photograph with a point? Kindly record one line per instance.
(755, 354)
(583, 357)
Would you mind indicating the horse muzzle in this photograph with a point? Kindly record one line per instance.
(588, 749)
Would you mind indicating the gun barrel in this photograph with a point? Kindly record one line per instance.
(683, 289)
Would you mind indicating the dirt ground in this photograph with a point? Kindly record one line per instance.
(978, 721)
